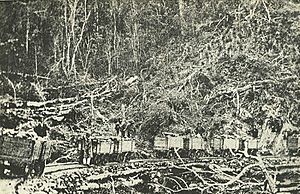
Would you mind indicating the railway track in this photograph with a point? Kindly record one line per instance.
(98, 181)
(60, 167)
(98, 177)
(124, 168)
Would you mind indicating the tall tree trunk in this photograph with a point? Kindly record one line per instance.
(112, 45)
(67, 52)
(73, 65)
(181, 15)
(114, 9)
(36, 61)
(135, 38)
(27, 32)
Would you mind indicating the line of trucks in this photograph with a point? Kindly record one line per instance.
(99, 149)
(26, 154)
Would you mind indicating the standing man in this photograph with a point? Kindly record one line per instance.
(87, 155)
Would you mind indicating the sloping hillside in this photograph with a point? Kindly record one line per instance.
(210, 67)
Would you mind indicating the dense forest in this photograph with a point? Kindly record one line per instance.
(202, 66)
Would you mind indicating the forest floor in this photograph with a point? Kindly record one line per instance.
(7, 186)
(204, 175)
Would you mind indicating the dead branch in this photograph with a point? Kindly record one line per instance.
(68, 156)
(24, 75)
(270, 180)
(13, 87)
(256, 84)
(174, 180)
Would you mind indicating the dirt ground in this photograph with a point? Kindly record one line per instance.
(7, 186)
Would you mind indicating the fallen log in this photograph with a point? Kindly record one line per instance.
(288, 184)
(291, 167)
(24, 75)
(271, 181)
(106, 175)
(255, 84)
(295, 189)
(96, 186)
(35, 104)
(80, 84)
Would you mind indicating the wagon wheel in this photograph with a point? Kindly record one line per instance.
(182, 153)
(125, 156)
(191, 154)
(157, 154)
(119, 157)
(110, 157)
(291, 152)
(170, 154)
(203, 153)
(95, 159)
(130, 156)
(104, 159)
(198, 154)
(99, 159)
(216, 153)
(254, 152)
(224, 153)
(207, 153)
(136, 155)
